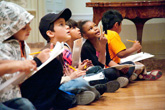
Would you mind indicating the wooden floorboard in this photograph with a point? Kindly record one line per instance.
(139, 95)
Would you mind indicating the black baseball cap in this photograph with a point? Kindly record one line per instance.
(51, 18)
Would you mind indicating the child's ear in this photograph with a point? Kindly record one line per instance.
(50, 33)
(116, 25)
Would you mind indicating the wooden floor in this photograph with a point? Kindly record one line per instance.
(140, 95)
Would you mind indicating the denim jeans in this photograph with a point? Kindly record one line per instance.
(78, 85)
(17, 104)
(110, 73)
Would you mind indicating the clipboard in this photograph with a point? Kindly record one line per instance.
(76, 52)
(20, 77)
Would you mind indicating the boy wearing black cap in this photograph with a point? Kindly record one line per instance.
(53, 29)
(52, 26)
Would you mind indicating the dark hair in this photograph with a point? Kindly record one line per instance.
(51, 28)
(47, 21)
(71, 23)
(109, 18)
(80, 26)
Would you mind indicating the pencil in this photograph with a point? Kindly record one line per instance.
(71, 67)
(34, 53)
(37, 52)
(131, 41)
(85, 66)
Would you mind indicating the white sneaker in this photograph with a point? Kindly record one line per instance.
(123, 81)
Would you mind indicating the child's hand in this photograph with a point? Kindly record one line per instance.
(137, 46)
(26, 66)
(82, 65)
(89, 63)
(67, 71)
(77, 74)
(44, 55)
(103, 39)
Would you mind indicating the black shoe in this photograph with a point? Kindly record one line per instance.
(101, 81)
(101, 88)
(110, 86)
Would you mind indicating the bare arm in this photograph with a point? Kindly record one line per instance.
(135, 47)
(14, 66)
(5, 61)
(103, 41)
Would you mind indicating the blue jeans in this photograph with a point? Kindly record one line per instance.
(75, 86)
(17, 104)
(78, 85)
(110, 73)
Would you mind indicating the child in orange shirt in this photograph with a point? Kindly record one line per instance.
(112, 21)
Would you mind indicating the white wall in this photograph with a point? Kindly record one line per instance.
(79, 6)
(79, 9)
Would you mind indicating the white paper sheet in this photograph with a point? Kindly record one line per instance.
(137, 57)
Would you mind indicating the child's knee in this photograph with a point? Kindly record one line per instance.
(25, 104)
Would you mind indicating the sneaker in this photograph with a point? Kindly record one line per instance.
(94, 82)
(110, 86)
(133, 77)
(123, 81)
(85, 97)
(153, 75)
(101, 88)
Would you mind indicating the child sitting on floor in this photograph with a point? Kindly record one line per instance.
(67, 55)
(53, 29)
(112, 21)
(95, 49)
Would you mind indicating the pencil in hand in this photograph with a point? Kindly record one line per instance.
(34, 53)
(70, 67)
(38, 52)
(131, 41)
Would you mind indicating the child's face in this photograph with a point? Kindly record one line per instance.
(75, 33)
(91, 30)
(23, 34)
(61, 31)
